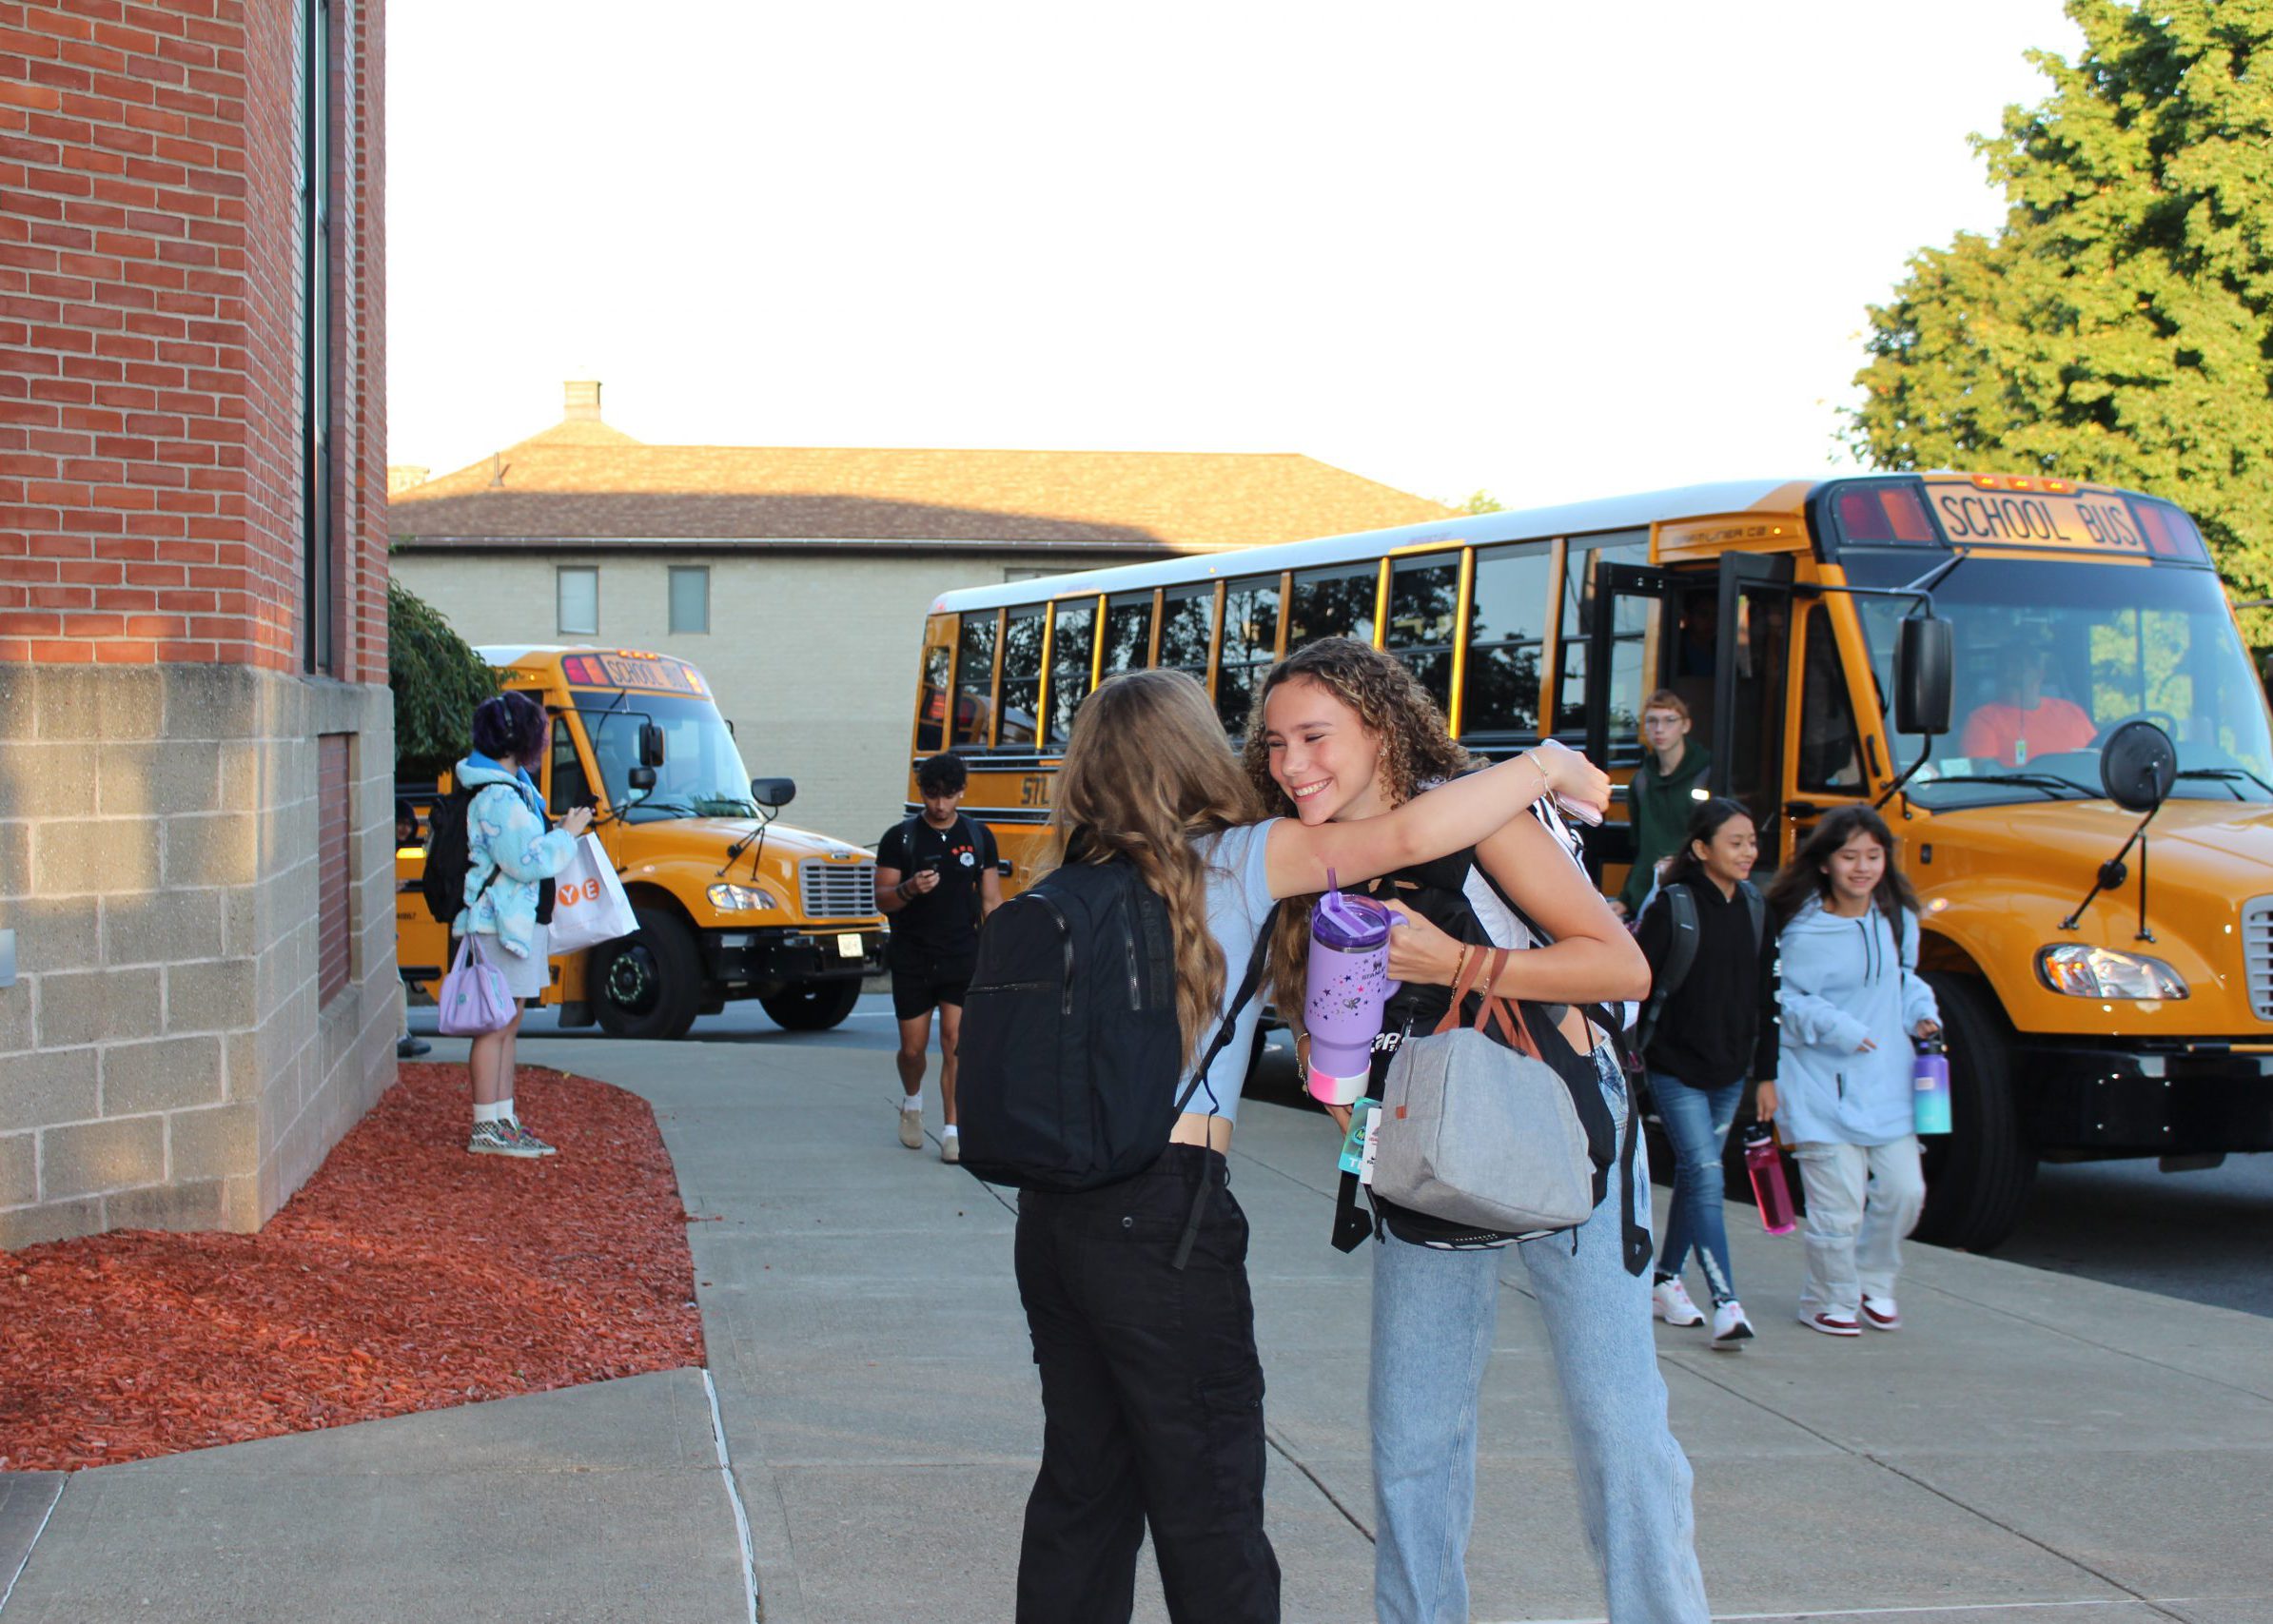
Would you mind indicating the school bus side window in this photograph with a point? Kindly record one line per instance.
(930, 715)
(1186, 625)
(1071, 645)
(1127, 633)
(1021, 675)
(1627, 688)
(1337, 602)
(974, 679)
(1830, 754)
(1424, 600)
(1507, 631)
(1250, 637)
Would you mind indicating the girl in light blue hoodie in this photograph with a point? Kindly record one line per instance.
(1851, 1001)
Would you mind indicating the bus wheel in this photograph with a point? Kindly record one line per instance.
(1978, 1175)
(811, 1006)
(646, 985)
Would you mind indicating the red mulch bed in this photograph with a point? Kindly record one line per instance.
(407, 1275)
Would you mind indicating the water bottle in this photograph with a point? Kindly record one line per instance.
(1929, 1085)
(1769, 1192)
(1342, 997)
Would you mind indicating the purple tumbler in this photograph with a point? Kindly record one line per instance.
(1347, 985)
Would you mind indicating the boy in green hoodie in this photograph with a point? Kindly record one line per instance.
(1667, 789)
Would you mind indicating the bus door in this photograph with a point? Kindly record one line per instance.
(1750, 662)
(1625, 620)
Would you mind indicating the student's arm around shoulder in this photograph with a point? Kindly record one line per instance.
(1590, 957)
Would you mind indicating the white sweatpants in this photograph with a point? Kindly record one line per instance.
(1862, 1200)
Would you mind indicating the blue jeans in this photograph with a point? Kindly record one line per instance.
(1697, 1120)
(1434, 1315)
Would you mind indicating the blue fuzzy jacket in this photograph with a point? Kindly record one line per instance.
(1845, 980)
(507, 835)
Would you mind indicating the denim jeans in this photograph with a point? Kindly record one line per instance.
(1862, 1200)
(1434, 1315)
(1697, 1120)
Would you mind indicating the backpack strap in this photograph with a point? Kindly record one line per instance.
(1633, 1236)
(1757, 906)
(1681, 955)
(1247, 984)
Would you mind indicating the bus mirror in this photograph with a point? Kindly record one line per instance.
(641, 779)
(651, 744)
(2138, 766)
(772, 793)
(1924, 674)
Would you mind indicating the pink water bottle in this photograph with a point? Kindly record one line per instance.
(1349, 984)
(1769, 1192)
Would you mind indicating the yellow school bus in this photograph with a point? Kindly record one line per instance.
(730, 904)
(2138, 1022)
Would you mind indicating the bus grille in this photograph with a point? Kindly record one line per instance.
(2257, 953)
(837, 890)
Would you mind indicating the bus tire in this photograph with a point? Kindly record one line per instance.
(649, 984)
(811, 1006)
(1978, 1175)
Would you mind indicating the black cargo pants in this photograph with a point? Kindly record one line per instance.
(1151, 1402)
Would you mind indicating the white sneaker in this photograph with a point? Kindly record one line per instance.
(1730, 1329)
(1880, 1314)
(1668, 1301)
(911, 1129)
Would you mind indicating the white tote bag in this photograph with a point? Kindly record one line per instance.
(589, 905)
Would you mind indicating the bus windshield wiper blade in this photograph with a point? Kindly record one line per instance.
(2226, 775)
(2047, 782)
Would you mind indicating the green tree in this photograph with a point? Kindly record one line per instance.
(1477, 501)
(2118, 327)
(437, 678)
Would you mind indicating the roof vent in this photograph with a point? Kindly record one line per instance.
(582, 401)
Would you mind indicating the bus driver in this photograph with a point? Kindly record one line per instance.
(2023, 720)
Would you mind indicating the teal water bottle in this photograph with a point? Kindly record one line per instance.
(1929, 1085)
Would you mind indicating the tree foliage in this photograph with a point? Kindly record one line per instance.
(1477, 501)
(2119, 326)
(437, 678)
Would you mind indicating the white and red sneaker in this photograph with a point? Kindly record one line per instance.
(1880, 1314)
(1830, 1324)
(1668, 1301)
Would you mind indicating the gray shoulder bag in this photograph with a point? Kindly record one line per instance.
(1478, 1132)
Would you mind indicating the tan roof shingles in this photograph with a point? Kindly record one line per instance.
(586, 480)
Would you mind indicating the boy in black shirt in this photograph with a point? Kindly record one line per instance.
(937, 876)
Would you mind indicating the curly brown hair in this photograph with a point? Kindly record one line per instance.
(1416, 751)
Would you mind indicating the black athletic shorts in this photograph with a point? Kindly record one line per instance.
(921, 987)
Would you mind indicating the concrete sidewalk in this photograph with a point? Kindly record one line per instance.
(2032, 1447)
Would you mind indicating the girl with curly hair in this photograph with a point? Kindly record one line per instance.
(1151, 1390)
(1342, 733)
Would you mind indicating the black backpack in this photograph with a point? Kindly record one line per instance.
(1070, 1051)
(1680, 953)
(447, 857)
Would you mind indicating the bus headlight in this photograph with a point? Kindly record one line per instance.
(742, 899)
(2104, 972)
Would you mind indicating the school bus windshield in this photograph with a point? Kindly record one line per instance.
(2050, 656)
(703, 775)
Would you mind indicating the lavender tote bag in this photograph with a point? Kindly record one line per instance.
(474, 1000)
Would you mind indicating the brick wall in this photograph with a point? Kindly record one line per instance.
(176, 1050)
(812, 655)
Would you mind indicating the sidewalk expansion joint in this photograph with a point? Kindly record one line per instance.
(1277, 1442)
(2102, 1347)
(733, 1496)
(32, 1544)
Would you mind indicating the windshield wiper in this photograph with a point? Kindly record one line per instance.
(2226, 775)
(2047, 782)
(662, 805)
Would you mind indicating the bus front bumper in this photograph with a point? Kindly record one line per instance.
(779, 953)
(2125, 1102)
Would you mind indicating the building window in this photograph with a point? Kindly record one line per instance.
(319, 635)
(334, 870)
(577, 593)
(691, 598)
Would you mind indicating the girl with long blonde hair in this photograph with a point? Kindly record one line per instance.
(1343, 735)
(1151, 1389)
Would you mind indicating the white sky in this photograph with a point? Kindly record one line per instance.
(1553, 252)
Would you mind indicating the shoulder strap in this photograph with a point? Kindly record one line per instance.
(1681, 957)
(1247, 984)
(1757, 906)
(908, 835)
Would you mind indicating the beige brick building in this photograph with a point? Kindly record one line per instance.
(797, 579)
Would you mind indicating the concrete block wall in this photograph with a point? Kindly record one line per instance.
(812, 655)
(164, 1059)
